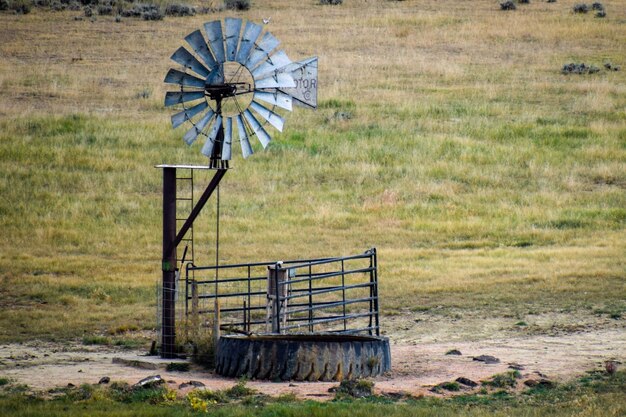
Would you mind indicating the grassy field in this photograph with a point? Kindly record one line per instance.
(487, 180)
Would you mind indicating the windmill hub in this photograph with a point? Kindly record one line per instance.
(220, 91)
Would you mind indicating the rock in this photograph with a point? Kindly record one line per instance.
(70, 385)
(104, 380)
(292, 385)
(611, 367)
(516, 366)
(455, 352)
(149, 382)
(486, 359)
(539, 383)
(195, 384)
(466, 381)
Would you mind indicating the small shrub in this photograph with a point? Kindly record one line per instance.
(597, 6)
(4, 5)
(96, 340)
(289, 397)
(4, 381)
(523, 1)
(198, 403)
(240, 390)
(507, 5)
(179, 10)
(153, 14)
(20, 6)
(372, 362)
(505, 380)
(177, 367)
(238, 4)
(216, 397)
(204, 352)
(124, 328)
(581, 8)
(105, 10)
(331, 2)
(355, 388)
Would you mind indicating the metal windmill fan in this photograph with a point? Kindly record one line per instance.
(229, 71)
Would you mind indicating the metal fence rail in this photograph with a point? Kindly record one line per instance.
(326, 294)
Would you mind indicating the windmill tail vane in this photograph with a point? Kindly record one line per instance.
(233, 78)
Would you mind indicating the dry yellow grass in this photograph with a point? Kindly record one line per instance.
(485, 177)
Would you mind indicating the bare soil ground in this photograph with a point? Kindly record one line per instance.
(550, 347)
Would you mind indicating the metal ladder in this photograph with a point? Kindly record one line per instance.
(184, 184)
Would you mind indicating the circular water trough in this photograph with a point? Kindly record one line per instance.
(302, 357)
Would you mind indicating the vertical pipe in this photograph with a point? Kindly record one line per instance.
(310, 300)
(376, 290)
(249, 300)
(343, 294)
(277, 299)
(168, 265)
(371, 291)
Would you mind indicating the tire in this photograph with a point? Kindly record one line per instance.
(311, 357)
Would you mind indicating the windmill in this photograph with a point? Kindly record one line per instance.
(238, 78)
(232, 83)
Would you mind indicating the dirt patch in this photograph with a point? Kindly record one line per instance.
(417, 365)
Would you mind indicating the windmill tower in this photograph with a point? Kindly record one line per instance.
(231, 84)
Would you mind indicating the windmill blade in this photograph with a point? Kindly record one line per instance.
(228, 135)
(187, 60)
(271, 64)
(216, 39)
(216, 77)
(264, 138)
(262, 50)
(179, 97)
(233, 27)
(275, 81)
(192, 134)
(246, 149)
(182, 78)
(275, 98)
(250, 33)
(273, 118)
(198, 44)
(304, 73)
(181, 117)
(207, 149)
